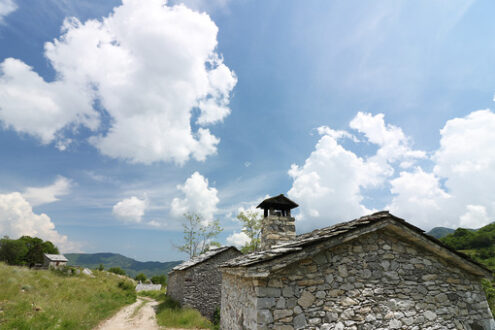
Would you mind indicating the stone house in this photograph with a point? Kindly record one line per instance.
(197, 281)
(54, 260)
(375, 272)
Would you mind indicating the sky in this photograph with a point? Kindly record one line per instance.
(117, 117)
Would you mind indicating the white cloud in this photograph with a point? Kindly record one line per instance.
(198, 198)
(6, 7)
(17, 219)
(457, 192)
(149, 65)
(330, 182)
(49, 194)
(466, 165)
(238, 239)
(475, 217)
(130, 209)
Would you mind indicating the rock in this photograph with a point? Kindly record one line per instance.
(282, 313)
(430, 315)
(306, 299)
(300, 321)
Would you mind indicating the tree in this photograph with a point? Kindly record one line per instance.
(101, 267)
(159, 279)
(140, 277)
(198, 234)
(26, 250)
(13, 251)
(117, 270)
(251, 226)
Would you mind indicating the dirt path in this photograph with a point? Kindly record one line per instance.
(140, 315)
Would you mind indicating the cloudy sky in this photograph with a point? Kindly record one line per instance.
(117, 117)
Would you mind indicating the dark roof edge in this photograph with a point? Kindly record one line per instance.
(222, 249)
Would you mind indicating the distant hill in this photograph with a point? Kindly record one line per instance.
(439, 232)
(132, 267)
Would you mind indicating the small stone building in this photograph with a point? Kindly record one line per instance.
(54, 260)
(197, 282)
(375, 272)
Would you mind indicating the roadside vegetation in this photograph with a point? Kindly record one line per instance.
(45, 299)
(170, 314)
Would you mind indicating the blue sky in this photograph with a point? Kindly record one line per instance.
(116, 118)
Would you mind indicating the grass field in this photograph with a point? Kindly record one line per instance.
(43, 299)
(170, 314)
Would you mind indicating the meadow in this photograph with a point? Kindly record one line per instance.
(45, 299)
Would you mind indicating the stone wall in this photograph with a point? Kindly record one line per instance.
(275, 230)
(200, 285)
(372, 282)
(239, 302)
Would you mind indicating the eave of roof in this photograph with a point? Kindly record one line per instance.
(345, 231)
(201, 258)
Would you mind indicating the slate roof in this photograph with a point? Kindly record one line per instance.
(318, 235)
(56, 257)
(202, 257)
(278, 201)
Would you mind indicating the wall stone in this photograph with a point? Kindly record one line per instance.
(275, 230)
(373, 282)
(200, 286)
(239, 302)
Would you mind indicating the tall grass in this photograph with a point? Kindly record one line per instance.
(43, 299)
(170, 314)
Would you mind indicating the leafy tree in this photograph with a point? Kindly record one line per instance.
(117, 270)
(140, 277)
(13, 251)
(198, 234)
(159, 279)
(101, 267)
(251, 226)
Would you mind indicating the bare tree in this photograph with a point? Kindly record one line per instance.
(251, 221)
(198, 234)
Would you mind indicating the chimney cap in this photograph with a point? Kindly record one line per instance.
(278, 202)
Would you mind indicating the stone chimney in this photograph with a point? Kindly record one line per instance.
(277, 225)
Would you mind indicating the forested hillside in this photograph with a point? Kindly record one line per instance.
(132, 267)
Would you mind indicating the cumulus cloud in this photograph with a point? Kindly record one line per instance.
(198, 198)
(49, 194)
(330, 182)
(150, 66)
(130, 209)
(6, 7)
(238, 239)
(457, 192)
(17, 219)
(466, 166)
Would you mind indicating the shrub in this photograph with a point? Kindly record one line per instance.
(117, 270)
(140, 277)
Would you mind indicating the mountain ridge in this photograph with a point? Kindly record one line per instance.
(131, 266)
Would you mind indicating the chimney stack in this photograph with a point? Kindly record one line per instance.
(277, 225)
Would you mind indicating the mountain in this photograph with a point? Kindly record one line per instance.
(439, 232)
(132, 267)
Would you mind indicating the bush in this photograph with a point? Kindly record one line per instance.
(159, 279)
(140, 277)
(117, 270)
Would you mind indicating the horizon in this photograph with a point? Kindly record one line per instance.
(118, 117)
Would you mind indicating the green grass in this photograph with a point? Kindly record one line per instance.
(170, 314)
(43, 299)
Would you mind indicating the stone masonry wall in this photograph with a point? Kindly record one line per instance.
(275, 230)
(372, 282)
(175, 285)
(238, 302)
(202, 283)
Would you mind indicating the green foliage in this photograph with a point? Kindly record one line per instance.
(101, 267)
(155, 294)
(130, 266)
(170, 314)
(43, 299)
(251, 226)
(140, 277)
(117, 270)
(490, 294)
(159, 279)
(25, 250)
(198, 234)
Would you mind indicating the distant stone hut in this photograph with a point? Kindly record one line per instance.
(375, 272)
(54, 260)
(197, 282)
